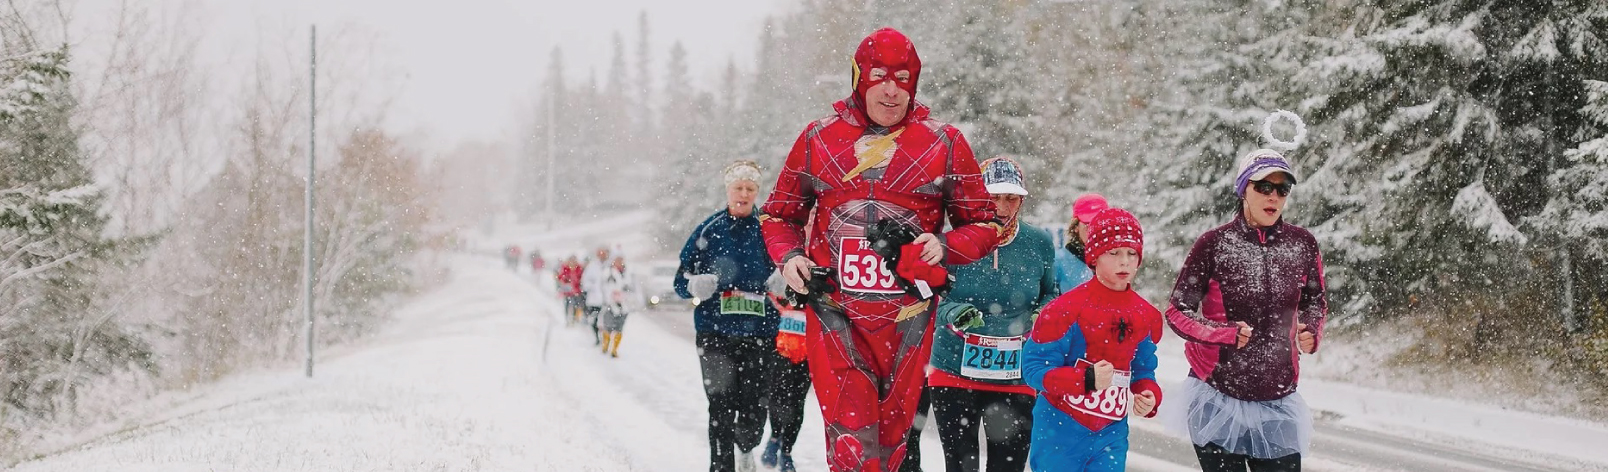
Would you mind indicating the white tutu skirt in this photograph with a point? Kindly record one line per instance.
(1263, 430)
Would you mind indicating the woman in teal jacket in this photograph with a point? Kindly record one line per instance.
(976, 354)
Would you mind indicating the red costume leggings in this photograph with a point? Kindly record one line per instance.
(868, 374)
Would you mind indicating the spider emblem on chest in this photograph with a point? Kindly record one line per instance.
(1122, 329)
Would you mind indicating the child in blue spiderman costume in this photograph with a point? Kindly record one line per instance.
(1092, 357)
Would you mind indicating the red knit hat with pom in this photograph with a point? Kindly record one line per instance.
(1113, 228)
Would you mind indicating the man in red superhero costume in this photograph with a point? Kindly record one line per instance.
(879, 157)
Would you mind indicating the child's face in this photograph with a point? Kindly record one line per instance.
(1116, 267)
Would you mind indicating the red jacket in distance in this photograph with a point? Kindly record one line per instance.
(569, 279)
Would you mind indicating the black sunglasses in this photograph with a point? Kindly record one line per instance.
(1267, 188)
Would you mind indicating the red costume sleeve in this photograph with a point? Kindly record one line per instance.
(1056, 344)
(1149, 385)
(975, 229)
(788, 208)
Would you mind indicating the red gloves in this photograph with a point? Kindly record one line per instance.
(912, 268)
(791, 346)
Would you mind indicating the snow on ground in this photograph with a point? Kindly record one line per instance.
(481, 374)
(1372, 356)
(1458, 424)
(454, 385)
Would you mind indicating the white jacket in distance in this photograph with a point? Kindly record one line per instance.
(619, 289)
(592, 278)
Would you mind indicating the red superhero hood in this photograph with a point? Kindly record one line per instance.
(886, 48)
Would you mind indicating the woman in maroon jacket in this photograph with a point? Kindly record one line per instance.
(1249, 300)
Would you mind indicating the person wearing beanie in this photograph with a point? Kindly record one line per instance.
(1092, 357)
(790, 385)
(725, 268)
(618, 286)
(1248, 302)
(592, 278)
(790, 380)
(880, 157)
(1070, 269)
(569, 284)
(976, 375)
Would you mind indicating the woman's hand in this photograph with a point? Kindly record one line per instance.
(1304, 339)
(1244, 336)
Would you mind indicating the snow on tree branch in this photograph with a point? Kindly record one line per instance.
(1480, 211)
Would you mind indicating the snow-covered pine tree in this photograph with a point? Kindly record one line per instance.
(1437, 123)
(645, 104)
(1205, 110)
(555, 104)
(1577, 220)
(772, 112)
(612, 132)
(1098, 74)
(1580, 214)
(977, 75)
(54, 335)
(586, 151)
(690, 181)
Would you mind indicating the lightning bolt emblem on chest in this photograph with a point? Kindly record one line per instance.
(873, 152)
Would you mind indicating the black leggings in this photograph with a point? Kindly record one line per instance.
(1006, 419)
(592, 313)
(735, 379)
(912, 458)
(790, 386)
(1215, 459)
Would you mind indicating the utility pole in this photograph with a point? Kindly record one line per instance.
(552, 148)
(307, 241)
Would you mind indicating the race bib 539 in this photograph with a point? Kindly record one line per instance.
(860, 269)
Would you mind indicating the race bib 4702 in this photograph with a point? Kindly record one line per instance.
(737, 302)
(860, 269)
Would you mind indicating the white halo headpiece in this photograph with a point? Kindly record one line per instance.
(1272, 141)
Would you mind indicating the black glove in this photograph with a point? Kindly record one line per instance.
(819, 284)
(886, 237)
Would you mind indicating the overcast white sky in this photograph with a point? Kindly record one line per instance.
(470, 65)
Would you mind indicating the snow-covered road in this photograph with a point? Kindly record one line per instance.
(482, 374)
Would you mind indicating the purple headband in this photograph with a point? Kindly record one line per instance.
(1257, 166)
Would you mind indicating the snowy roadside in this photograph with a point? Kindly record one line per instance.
(1456, 424)
(480, 374)
(454, 384)
(477, 375)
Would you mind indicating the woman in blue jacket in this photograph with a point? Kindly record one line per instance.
(1070, 268)
(724, 266)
